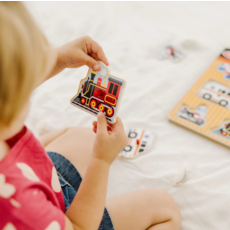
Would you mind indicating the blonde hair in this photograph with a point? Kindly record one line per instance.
(22, 59)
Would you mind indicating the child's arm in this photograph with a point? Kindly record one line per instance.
(87, 208)
(82, 51)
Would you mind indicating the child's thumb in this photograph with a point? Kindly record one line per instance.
(91, 63)
(101, 123)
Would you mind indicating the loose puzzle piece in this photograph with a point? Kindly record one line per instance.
(170, 52)
(196, 116)
(100, 91)
(210, 95)
(140, 142)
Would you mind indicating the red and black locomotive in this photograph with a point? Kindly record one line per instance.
(98, 97)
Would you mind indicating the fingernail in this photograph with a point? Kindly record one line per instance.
(96, 67)
(100, 114)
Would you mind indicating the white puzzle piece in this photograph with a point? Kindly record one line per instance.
(216, 92)
(140, 142)
(196, 116)
(170, 53)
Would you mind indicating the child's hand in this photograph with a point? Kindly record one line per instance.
(82, 51)
(110, 141)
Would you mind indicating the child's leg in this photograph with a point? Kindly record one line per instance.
(49, 137)
(151, 209)
(76, 144)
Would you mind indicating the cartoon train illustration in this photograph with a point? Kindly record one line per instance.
(94, 97)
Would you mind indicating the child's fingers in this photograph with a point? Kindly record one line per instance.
(94, 130)
(93, 55)
(101, 123)
(118, 124)
(97, 49)
(90, 62)
(109, 129)
(94, 124)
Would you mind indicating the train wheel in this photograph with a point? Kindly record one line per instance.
(109, 112)
(82, 100)
(101, 107)
(93, 104)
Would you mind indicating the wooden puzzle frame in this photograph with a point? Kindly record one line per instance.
(211, 91)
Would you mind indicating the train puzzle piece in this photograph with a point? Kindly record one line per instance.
(100, 91)
(140, 142)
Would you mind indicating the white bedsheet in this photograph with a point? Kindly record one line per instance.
(193, 169)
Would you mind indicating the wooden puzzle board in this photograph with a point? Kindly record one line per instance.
(209, 116)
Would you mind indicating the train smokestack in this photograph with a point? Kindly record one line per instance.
(93, 74)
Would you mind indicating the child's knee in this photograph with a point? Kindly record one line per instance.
(169, 208)
(176, 218)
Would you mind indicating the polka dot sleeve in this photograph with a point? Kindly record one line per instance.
(30, 193)
(31, 211)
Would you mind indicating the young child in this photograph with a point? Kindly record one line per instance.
(42, 189)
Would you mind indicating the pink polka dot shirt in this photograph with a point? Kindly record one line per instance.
(30, 193)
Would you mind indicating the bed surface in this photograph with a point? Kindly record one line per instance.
(192, 168)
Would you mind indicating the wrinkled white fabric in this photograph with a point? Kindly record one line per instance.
(192, 168)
